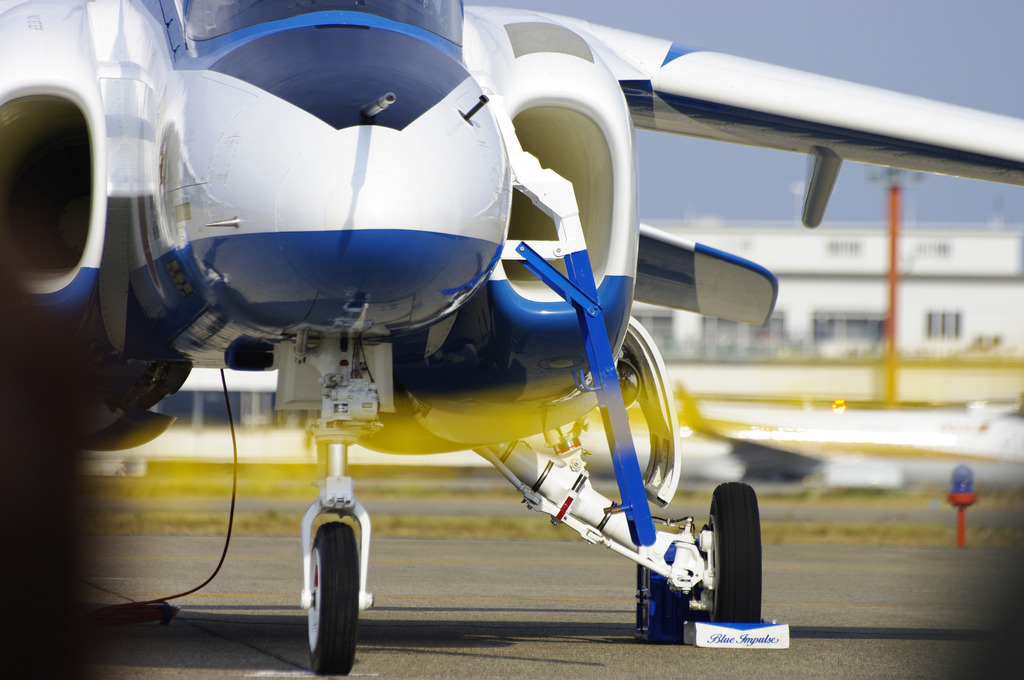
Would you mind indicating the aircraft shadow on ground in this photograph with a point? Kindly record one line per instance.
(259, 636)
(264, 629)
(887, 633)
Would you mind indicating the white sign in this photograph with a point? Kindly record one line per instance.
(737, 635)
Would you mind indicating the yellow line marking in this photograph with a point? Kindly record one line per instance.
(153, 596)
(158, 596)
(875, 606)
(566, 600)
(502, 599)
(519, 563)
(298, 558)
(531, 563)
(199, 558)
(914, 570)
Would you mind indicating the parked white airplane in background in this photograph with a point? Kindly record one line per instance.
(974, 431)
(841, 444)
(368, 194)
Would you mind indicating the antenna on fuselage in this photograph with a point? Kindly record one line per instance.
(476, 107)
(371, 110)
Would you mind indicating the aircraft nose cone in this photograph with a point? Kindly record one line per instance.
(373, 199)
(383, 231)
(353, 244)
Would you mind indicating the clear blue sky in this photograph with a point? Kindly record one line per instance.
(971, 54)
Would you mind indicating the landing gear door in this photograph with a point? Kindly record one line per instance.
(657, 403)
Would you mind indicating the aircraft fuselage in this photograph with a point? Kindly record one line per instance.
(338, 173)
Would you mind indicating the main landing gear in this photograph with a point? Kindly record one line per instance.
(719, 568)
(711, 574)
(715, 572)
(736, 535)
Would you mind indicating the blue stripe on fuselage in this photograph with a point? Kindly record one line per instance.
(506, 348)
(254, 286)
(502, 348)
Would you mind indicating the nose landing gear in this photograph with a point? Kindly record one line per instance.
(334, 614)
(336, 561)
(334, 569)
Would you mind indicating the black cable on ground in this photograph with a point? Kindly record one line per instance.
(160, 609)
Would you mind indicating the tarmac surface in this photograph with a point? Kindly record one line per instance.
(553, 609)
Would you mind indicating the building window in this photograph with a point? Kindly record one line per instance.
(844, 248)
(858, 326)
(735, 338)
(939, 250)
(659, 325)
(943, 325)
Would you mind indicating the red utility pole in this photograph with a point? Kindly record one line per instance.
(895, 210)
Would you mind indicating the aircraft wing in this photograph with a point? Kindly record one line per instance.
(671, 88)
(673, 272)
(721, 97)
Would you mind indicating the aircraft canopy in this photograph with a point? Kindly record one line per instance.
(208, 19)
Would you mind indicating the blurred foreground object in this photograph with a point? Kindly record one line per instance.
(41, 422)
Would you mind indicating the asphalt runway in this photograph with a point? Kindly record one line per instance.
(553, 609)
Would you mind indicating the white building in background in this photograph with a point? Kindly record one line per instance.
(961, 291)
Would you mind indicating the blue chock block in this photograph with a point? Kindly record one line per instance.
(660, 612)
(665, 616)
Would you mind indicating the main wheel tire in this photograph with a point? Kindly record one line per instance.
(736, 526)
(334, 616)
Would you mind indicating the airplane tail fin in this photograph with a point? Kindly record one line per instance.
(691, 416)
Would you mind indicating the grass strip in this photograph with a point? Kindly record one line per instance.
(167, 480)
(872, 534)
(287, 524)
(535, 527)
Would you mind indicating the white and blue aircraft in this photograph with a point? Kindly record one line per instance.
(423, 216)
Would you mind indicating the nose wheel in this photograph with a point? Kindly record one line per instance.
(334, 614)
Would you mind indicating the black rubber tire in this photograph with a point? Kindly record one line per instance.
(334, 617)
(736, 524)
